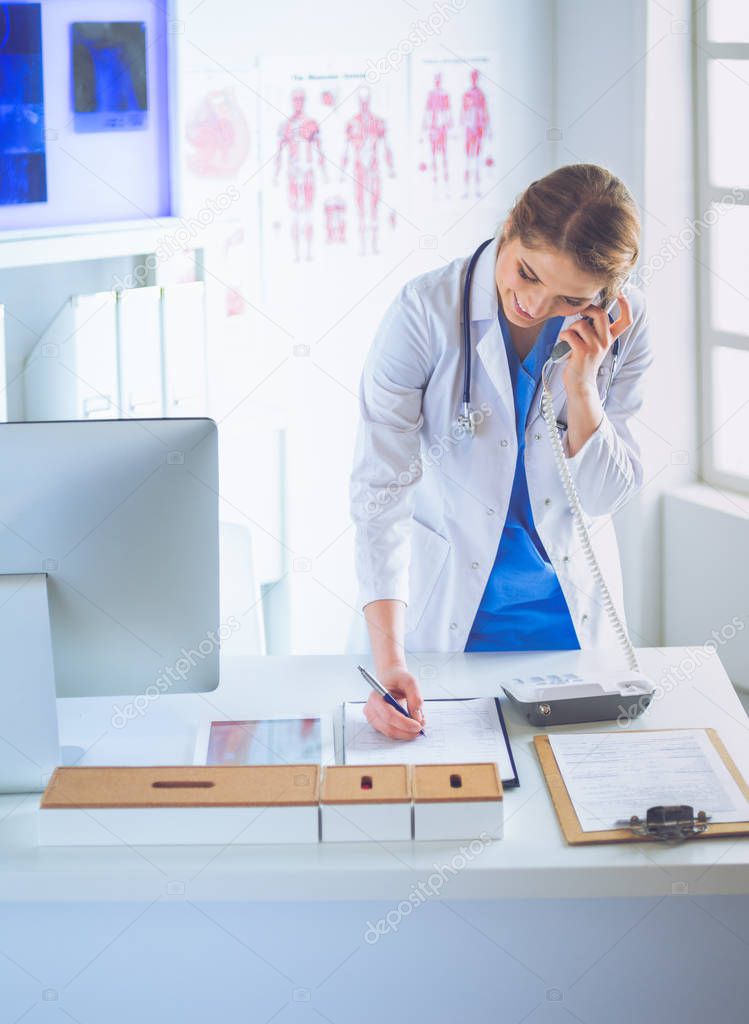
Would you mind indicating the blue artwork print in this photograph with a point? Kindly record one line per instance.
(109, 76)
(23, 172)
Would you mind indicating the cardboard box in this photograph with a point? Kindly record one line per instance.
(195, 805)
(360, 803)
(457, 801)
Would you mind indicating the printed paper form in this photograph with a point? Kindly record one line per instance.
(611, 776)
(457, 731)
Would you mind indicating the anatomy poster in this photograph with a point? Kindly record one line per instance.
(454, 128)
(219, 176)
(218, 136)
(334, 153)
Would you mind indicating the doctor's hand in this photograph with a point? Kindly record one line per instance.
(403, 686)
(589, 343)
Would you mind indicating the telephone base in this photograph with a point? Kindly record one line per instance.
(571, 699)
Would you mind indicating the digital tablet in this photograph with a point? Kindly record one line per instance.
(265, 741)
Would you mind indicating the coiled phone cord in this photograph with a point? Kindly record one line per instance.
(547, 410)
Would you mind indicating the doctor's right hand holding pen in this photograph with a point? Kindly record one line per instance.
(386, 622)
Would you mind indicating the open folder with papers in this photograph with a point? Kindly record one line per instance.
(457, 731)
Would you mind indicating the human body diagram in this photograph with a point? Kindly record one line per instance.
(435, 126)
(299, 141)
(367, 144)
(474, 120)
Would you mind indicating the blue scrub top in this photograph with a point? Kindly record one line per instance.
(523, 607)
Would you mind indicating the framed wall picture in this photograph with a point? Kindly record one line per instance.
(23, 171)
(110, 79)
(84, 113)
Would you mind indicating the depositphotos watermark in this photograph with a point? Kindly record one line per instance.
(429, 456)
(178, 239)
(684, 670)
(172, 674)
(683, 242)
(421, 892)
(418, 34)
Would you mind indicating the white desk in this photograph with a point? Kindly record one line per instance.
(521, 909)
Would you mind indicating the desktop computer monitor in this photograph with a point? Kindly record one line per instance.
(122, 516)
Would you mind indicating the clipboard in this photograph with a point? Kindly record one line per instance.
(570, 824)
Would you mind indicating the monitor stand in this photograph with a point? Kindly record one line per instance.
(29, 740)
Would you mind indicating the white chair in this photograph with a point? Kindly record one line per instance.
(240, 592)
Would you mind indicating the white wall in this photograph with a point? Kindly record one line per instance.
(669, 415)
(705, 528)
(705, 589)
(624, 88)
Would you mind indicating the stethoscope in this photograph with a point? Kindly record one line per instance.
(466, 417)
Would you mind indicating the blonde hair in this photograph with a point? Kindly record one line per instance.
(585, 211)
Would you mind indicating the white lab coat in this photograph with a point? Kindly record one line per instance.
(429, 503)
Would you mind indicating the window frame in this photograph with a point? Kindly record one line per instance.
(707, 194)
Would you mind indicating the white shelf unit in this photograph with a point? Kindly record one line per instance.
(139, 352)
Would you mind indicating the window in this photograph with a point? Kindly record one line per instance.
(722, 70)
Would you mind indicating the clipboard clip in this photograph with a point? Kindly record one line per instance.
(669, 824)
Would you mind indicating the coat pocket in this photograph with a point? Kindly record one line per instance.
(429, 551)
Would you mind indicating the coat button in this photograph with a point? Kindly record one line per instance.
(547, 501)
(566, 558)
(453, 625)
(504, 443)
(537, 437)
(585, 618)
(474, 565)
(490, 511)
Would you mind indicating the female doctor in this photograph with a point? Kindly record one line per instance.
(464, 538)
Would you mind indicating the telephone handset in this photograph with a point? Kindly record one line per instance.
(562, 348)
